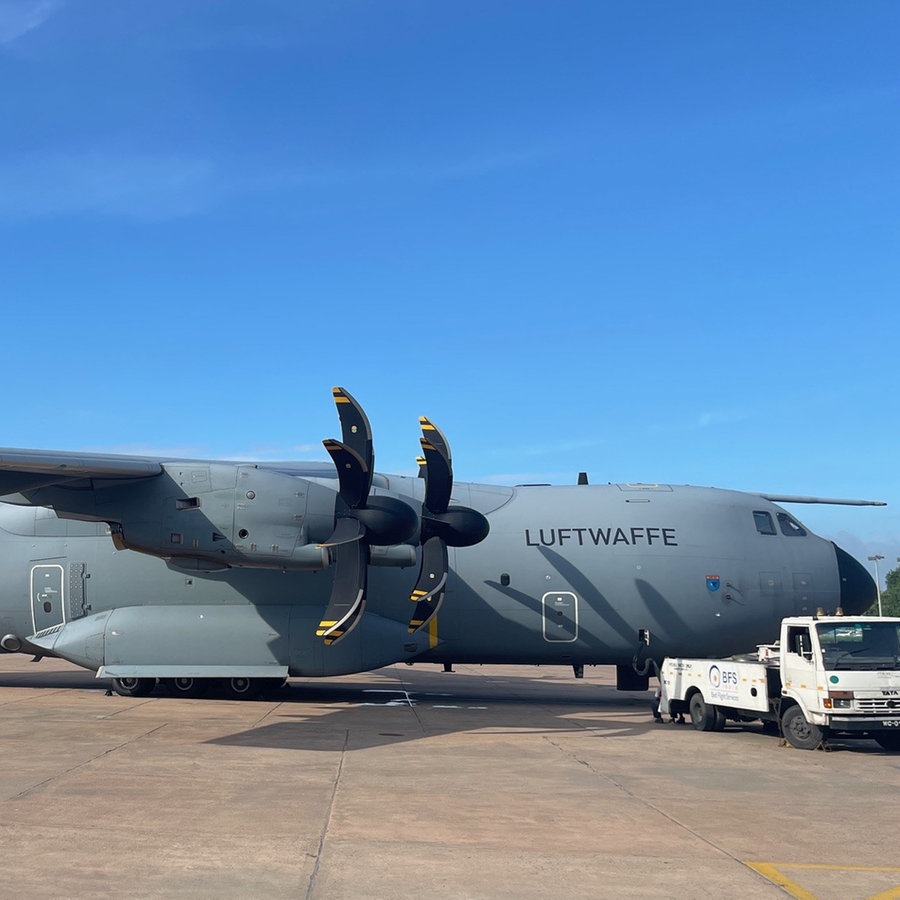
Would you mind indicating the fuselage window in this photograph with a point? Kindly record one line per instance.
(764, 523)
(790, 526)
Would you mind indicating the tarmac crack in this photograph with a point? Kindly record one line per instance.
(644, 802)
(323, 836)
(29, 698)
(130, 707)
(60, 775)
(274, 708)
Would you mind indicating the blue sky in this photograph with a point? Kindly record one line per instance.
(653, 241)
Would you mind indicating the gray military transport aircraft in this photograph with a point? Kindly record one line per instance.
(188, 573)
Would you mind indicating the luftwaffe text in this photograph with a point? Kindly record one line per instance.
(648, 535)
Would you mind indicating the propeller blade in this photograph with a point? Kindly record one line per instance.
(428, 593)
(356, 432)
(346, 531)
(348, 593)
(442, 525)
(361, 521)
(353, 476)
(437, 466)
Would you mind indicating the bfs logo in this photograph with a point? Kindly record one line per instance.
(722, 678)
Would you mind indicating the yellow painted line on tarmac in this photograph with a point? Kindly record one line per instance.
(890, 894)
(773, 872)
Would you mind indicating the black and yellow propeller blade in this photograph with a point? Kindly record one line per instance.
(348, 592)
(361, 520)
(442, 525)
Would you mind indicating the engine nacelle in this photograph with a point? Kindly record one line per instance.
(225, 515)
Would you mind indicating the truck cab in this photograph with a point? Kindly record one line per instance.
(825, 675)
(845, 672)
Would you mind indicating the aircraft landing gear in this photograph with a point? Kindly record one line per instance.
(186, 687)
(133, 687)
(244, 688)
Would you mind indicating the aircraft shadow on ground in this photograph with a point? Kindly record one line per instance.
(379, 713)
(361, 716)
(409, 714)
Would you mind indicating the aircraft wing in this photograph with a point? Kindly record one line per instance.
(23, 470)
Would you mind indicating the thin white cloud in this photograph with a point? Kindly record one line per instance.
(149, 187)
(721, 417)
(146, 188)
(18, 17)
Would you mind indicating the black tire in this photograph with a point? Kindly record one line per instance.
(705, 716)
(890, 740)
(798, 732)
(134, 687)
(187, 687)
(244, 688)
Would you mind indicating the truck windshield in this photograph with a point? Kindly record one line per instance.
(860, 645)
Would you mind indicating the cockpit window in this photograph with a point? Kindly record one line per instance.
(764, 523)
(790, 526)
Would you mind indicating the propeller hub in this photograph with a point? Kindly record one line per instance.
(387, 520)
(459, 526)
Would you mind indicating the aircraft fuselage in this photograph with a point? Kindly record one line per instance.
(567, 575)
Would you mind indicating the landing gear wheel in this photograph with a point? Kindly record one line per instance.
(705, 716)
(798, 732)
(133, 687)
(890, 740)
(187, 687)
(244, 688)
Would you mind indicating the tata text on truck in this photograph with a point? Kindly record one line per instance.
(826, 675)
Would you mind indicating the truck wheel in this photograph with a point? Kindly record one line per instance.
(719, 723)
(798, 732)
(705, 716)
(133, 687)
(890, 740)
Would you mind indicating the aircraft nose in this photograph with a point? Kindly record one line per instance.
(858, 591)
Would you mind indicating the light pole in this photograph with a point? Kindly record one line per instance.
(875, 559)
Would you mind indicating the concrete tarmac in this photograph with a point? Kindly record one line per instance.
(489, 782)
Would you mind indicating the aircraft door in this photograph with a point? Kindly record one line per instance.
(560, 609)
(47, 595)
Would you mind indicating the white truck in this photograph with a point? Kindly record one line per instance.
(825, 675)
